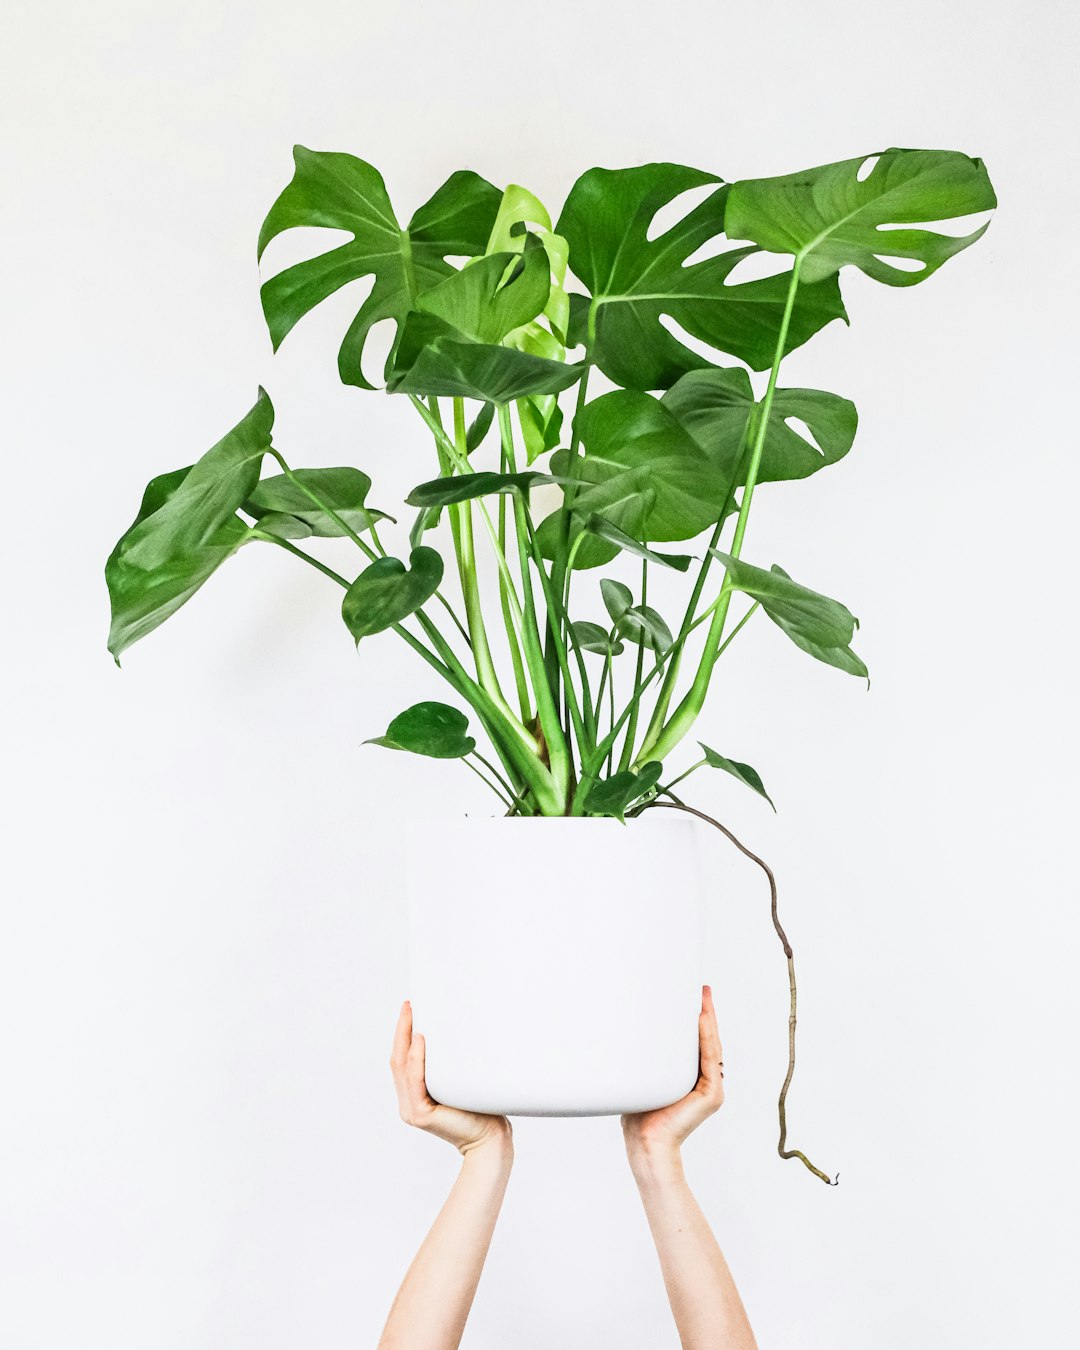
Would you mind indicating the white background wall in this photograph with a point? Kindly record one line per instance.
(203, 948)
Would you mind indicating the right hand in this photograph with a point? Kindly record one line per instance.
(466, 1130)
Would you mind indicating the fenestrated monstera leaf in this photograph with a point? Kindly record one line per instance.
(282, 507)
(185, 529)
(827, 218)
(434, 358)
(635, 280)
(335, 190)
(820, 626)
(716, 406)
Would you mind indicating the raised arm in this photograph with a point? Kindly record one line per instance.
(433, 1302)
(704, 1301)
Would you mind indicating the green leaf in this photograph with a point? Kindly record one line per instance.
(644, 626)
(828, 219)
(617, 598)
(433, 729)
(278, 500)
(590, 637)
(820, 626)
(635, 281)
(491, 296)
(479, 427)
(743, 772)
(186, 527)
(464, 487)
(641, 472)
(342, 192)
(611, 796)
(604, 529)
(717, 406)
(433, 358)
(386, 592)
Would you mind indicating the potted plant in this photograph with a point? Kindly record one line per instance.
(505, 327)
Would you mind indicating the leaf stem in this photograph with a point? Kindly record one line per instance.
(631, 729)
(506, 801)
(685, 715)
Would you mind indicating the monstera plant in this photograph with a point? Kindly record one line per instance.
(504, 326)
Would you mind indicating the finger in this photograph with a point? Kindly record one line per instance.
(402, 1036)
(415, 1079)
(711, 1052)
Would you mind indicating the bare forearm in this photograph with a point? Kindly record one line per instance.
(706, 1306)
(433, 1302)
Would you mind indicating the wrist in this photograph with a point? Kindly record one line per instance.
(495, 1148)
(654, 1160)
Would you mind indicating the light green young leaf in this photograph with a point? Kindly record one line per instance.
(185, 529)
(743, 772)
(345, 193)
(432, 729)
(635, 281)
(386, 592)
(828, 219)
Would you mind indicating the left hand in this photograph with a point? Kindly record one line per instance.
(466, 1130)
(663, 1130)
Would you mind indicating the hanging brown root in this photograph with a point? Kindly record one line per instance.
(676, 805)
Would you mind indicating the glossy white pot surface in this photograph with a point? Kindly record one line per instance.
(556, 964)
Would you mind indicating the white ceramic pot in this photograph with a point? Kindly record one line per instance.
(556, 963)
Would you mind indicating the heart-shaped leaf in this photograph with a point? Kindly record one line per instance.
(828, 217)
(432, 729)
(617, 598)
(185, 529)
(590, 637)
(820, 626)
(612, 796)
(387, 592)
(635, 281)
(643, 626)
(743, 772)
(280, 503)
(716, 407)
(433, 358)
(464, 487)
(345, 193)
(633, 446)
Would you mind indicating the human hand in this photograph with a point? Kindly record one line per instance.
(466, 1130)
(650, 1134)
